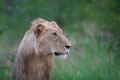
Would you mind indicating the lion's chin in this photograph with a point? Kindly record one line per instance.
(63, 56)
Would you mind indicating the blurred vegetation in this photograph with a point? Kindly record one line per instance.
(93, 26)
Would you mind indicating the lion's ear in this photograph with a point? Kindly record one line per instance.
(55, 25)
(39, 29)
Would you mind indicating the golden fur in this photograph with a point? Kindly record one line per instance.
(34, 57)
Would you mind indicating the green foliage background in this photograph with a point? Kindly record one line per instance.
(93, 26)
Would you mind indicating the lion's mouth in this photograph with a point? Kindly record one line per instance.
(61, 55)
(57, 54)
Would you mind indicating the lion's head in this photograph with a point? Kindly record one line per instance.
(49, 38)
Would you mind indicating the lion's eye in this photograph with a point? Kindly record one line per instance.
(54, 33)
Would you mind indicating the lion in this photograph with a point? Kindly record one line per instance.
(35, 54)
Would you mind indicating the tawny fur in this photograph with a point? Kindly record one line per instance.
(34, 59)
(28, 63)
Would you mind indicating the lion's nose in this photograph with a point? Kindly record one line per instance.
(67, 46)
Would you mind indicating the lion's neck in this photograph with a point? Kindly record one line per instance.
(41, 66)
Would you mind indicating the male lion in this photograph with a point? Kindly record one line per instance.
(34, 57)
